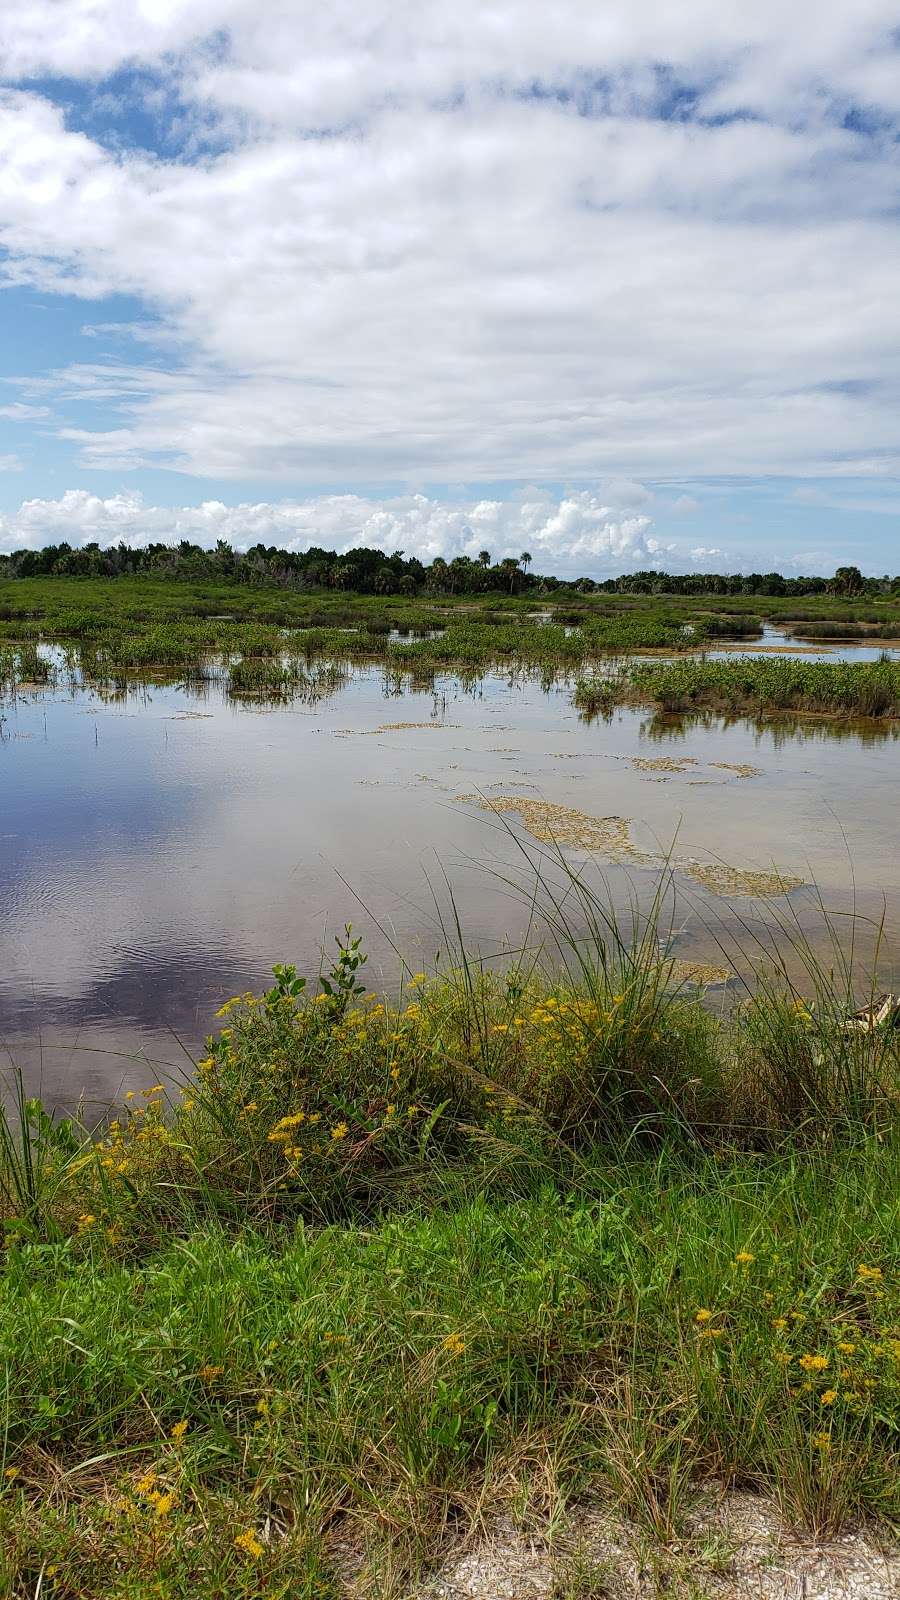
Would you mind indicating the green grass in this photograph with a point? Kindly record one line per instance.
(753, 685)
(129, 629)
(371, 1382)
(373, 1265)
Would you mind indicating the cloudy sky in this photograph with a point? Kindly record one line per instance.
(617, 282)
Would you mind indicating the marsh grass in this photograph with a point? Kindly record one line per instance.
(22, 664)
(755, 685)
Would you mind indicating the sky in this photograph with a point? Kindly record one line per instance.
(616, 284)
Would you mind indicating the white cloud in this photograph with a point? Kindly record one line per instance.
(10, 464)
(457, 278)
(22, 413)
(578, 533)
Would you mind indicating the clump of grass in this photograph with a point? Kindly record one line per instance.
(763, 684)
(730, 626)
(840, 629)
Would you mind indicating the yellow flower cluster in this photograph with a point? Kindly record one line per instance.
(162, 1500)
(282, 1133)
(249, 1544)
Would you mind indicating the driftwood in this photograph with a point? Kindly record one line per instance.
(884, 1012)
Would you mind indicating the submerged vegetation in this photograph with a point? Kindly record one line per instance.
(516, 1237)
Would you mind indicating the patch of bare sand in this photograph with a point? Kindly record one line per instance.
(732, 1547)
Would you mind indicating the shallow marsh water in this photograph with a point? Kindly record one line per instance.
(159, 854)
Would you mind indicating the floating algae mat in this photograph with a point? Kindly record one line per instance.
(720, 878)
(664, 763)
(742, 768)
(697, 972)
(391, 727)
(611, 837)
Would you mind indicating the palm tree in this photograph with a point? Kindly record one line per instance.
(511, 567)
(525, 560)
(484, 557)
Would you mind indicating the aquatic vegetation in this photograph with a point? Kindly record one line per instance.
(22, 664)
(841, 629)
(610, 836)
(757, 684)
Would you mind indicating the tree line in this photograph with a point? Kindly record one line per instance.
(368, 571)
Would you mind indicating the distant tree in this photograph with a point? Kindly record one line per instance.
(484, 557)
(847, 580)
(525, 560)
(510, 569)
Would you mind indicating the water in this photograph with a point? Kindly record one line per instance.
(775, 641)
(158, 855)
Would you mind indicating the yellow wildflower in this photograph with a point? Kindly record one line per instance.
(829, 1397)
(207, 1373)
(339, 1131)
(164, 1503)
(814, 1363)
(179, 1431)
(248, 1542)
(822, 1441)
(454, 1344)
(869, 1274)
(845, 1347)
(779, 1323)
(703, 1315)
(744, 1258)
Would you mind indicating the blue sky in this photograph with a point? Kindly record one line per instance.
(620, 288)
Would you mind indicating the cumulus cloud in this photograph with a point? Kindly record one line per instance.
(497, 243)
(578, 533)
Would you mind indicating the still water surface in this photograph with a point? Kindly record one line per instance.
(158, 855)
